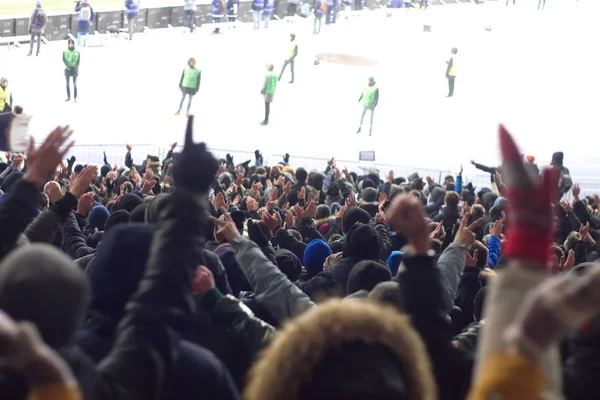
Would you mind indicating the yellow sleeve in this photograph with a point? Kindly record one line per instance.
(55, 392)
(508, 376)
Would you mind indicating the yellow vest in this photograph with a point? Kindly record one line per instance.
(4, 97)
(292, 50)
(452, 70)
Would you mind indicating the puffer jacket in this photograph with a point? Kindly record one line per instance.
(468, 338)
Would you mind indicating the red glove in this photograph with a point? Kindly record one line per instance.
(530, 210)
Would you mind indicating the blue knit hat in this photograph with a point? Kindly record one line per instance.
(315, 255)
(98, 216)
(394, 260)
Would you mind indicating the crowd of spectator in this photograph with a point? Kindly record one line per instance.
(197, 278)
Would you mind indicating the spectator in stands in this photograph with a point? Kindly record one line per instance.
(37, 25)
(189, 14)
(85, 17)
(133, 9)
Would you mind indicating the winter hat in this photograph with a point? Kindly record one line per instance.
(155, 207)
(116, 218)
(366, 275)
(289, 170)
(394, 260)
(335, 207)
(487, 200)
(323, 212)
(105, 169)
(295, 234)
(129, 201)
(301, 175)
(333, 189)
(39, 283)
(367, 183)
(352, 216)
(362, 242)
(289, 264)
(139, 213)
(98, 216)
(78, 168)
(38, 3)
(329, 353)
(501, 202)
(238, 218)
(370, 195)
(315, 179)
(530, 159)
(315, 255)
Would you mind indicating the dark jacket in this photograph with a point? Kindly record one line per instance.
(17, 211)
(74, 242)
(321, 286)
(449, 216)
(581, 368)
(83, 26)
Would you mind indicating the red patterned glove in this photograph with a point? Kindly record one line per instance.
(530, 211)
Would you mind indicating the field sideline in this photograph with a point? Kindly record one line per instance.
(21, 8)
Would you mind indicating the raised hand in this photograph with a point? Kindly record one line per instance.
(204, 281)
(497, 228)
(472, 259)
(576, 191)
(464, 234)
(86, 203)
(195, 167)
(220, 201)
(42, 162)
(148, 186)
(566, 264)
(435, 234)
(405, 215)
(310, 210)
(271, 221)
(290, 219)
(81, 183)
(17, 160)
(227, 229)
(530, 216)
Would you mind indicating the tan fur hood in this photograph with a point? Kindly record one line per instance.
(289, 360)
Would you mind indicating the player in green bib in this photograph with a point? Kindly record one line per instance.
(268, 91)
(71, 59)
(370, 98)
(189, 84)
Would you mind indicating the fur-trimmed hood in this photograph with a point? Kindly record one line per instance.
(288, 363)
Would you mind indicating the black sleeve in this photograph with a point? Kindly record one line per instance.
(198, 81)
(376, 96)
(128, 160)
(16, 213)
(73, 241)
(163, 307)
(181, 79)
(489, 170)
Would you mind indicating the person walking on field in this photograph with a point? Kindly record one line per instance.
(257, 10)
(133, 9)
(451, 71)
(71, 59)
(291, 57)
(189, 84)
(370, 99)
(189, 10)
(37, 25)
(268, 91)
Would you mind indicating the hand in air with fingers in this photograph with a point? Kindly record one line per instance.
(42, 162)
(226, 229)
(464, 234)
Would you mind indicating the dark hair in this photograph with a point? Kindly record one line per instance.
(452, 199)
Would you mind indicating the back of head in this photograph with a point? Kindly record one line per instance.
(366, 275)
(116, 218)
(370, 195)
(41, 284)
(352, 216)
(289, 264)
(154, 208)
(362, 242)
(323, 212)
(301, 175)
(452, 200)
(344, 350)
(98, 216)
(129, 201)
(139, 213)
(315, 255)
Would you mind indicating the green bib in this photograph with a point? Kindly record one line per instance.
(369, 96)
(271, 83)
(72, 56)
(190, 77)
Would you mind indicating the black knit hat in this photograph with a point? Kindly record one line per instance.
(366, 275)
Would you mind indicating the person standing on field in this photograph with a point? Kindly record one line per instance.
(189, 14)
(370, 99)
(291, 57)
(451, 71)
(71, 59)
(37, 25)
(84, 21)
(268, 91)
(189, 84)
(6, 99)
(133, 9)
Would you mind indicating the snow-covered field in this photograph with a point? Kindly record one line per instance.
(537, 72)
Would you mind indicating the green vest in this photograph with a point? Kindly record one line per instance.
(369, 96)
(72, 57)
(190, 77)
(4, 97)
(271, 83)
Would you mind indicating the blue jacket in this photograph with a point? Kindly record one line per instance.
(83, 25)
(258, 5)
(494, 251)
(269, 4)
(216, 10)
(133, 8)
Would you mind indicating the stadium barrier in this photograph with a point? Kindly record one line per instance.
(60, 25)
